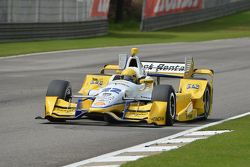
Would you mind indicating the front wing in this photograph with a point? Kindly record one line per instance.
(150, 113)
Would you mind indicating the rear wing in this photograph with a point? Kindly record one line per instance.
(160, 69)
(169, 69)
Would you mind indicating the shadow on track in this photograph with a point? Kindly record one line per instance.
(84, 122)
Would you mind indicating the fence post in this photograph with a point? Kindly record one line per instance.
(37, 11)
(9, 12)
(61, 5)
(77, 18)
(142, 15)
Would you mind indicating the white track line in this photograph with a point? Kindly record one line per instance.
(119, 158)
(206, 133)
(162, 140)
(180, 140)
(107, 166)
(152, 148)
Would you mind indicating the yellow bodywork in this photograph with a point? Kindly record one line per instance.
(94, 82)
(134, 51)
(189, 99)
(189, 103)
(152, 113)
(58, 108)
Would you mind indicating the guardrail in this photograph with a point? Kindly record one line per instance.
(178, 19)
(42, 31)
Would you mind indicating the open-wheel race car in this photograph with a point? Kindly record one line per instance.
(131, 92)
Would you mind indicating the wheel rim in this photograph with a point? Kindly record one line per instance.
(206, 103)
(68, 93)
(172, 106)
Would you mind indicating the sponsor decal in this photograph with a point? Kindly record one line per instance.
(193, 86)
(64, 109)
(154, 119)
(106, 97)
(155, 8)
(96, 81)
(135, 114)
(145, 97)
(106, 94)
(163, 67)
(115, 90)
(100, 8)
(100, 103)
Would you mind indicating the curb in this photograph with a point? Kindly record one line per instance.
(115, 159)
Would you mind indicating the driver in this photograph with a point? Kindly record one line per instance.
(129, 74)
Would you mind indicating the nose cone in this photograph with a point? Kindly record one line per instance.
(107, 101)
(104, 99)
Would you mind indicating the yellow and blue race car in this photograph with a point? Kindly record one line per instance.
(131, 92)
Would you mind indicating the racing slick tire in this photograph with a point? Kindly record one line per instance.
(207, 103)
(62, 89)
(166, 93)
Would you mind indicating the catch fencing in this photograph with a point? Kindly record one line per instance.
(46, 19)
(160, 14)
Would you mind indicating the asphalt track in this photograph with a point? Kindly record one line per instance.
(25, 141)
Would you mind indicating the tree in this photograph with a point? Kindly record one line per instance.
(125, 9)
(119, 10)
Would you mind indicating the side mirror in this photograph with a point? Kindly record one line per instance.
(123, 58)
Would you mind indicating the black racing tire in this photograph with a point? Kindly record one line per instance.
(60, 88)
(166, 93)
(207, 103)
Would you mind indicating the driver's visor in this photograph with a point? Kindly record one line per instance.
(124, 77)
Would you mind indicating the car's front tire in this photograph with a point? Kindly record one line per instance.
(62, 89)
(166, 93)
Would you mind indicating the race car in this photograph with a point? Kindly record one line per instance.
(131, 92)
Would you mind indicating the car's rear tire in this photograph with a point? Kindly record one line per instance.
(62, 89)
(166, 93)
(207, 103)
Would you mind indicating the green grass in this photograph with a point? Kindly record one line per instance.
(128, 33)
(225, 150)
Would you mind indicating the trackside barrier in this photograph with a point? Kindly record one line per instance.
(42, 31)
(27, 20)
(157, 18)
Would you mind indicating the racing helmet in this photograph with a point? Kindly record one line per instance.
(129, 74)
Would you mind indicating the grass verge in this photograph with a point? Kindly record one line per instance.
(225, 150)
(234, 26)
